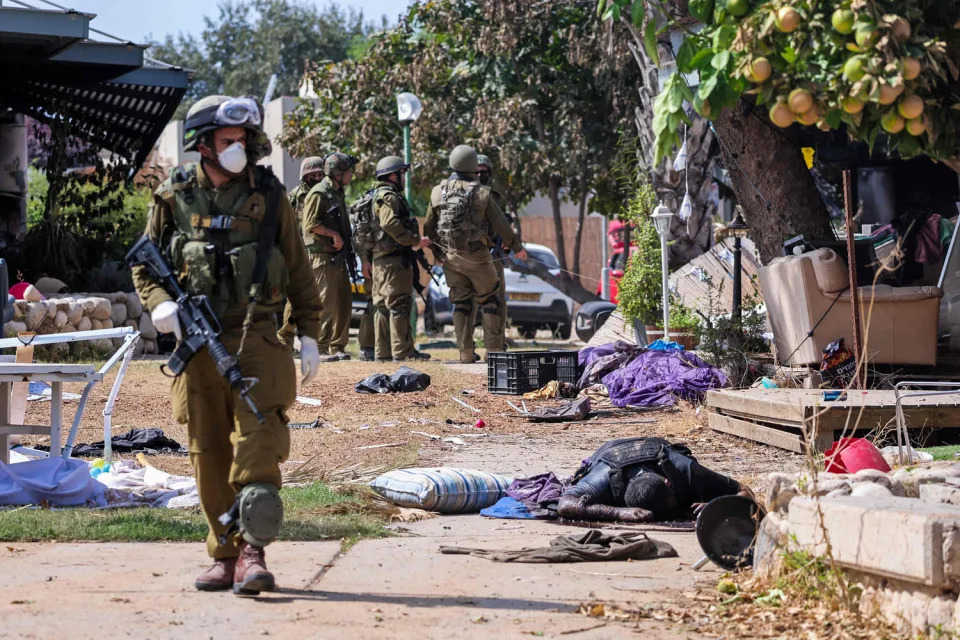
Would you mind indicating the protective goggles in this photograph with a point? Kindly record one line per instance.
(238, 111)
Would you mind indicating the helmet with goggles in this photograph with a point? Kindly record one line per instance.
(214, 112)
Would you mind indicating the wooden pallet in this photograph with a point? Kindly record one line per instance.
(787, 418)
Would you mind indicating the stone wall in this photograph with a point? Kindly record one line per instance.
(71, 312)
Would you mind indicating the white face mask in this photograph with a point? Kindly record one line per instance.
(233, 158)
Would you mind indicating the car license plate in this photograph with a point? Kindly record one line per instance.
(524, 297)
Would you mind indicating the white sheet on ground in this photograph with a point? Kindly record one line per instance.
(54, 481)
(128, 485)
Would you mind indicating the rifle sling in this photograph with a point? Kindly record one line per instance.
(268, 230)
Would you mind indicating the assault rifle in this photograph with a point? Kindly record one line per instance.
(346, 251)
(200, 326)
(419, 260)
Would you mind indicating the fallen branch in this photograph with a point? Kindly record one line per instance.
(572, 631)
(382, 446)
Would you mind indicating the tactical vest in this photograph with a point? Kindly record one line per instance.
(324, 244)
(214, 251)
(383, 243)
(626, 453)
(461, 221)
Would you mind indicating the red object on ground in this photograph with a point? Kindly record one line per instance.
(849, 455)
(19, 289)
(480, 423)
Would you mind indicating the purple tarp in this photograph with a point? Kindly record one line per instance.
(657, 378)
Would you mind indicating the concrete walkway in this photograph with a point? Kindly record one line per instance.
(399, 587)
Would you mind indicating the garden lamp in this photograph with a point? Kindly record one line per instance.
(738, 228)
(409, 109)
(661, 221)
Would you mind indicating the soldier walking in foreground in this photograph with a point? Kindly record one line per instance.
(209, 220)
(326, 233)
(388, 235)
(461, 219)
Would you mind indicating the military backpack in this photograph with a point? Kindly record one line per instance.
(456, 226)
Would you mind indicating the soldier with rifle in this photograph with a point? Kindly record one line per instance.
(395, 237)
(326, 233)
(229, 258)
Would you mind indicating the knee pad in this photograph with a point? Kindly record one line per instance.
(381, 311)
(466, 308)
(261, 513)
(491, 306)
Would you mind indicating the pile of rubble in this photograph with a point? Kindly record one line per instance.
(896, 533)
(71, 312)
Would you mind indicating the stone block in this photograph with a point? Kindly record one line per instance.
(31, 294)
(74, 313)
(940, 493)
(148, 331)
(12, 328)
(118, 314)
(84, 324)
(102, 309)
(36, 313)
(134, 308)
(895, 537)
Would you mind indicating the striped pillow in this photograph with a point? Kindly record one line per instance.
(443, 489)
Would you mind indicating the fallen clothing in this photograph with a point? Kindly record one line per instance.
(576, 410)
(590, 546)
(150, 441)
(508, 508)
(404, 380)
(658, 378)
(552, 389)
(540, 494)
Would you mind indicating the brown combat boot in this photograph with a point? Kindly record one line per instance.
(251, 575)
(219, 577)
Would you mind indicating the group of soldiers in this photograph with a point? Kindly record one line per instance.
(466, 229)
(230, 234)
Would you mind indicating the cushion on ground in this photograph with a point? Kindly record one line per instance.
(443, 489)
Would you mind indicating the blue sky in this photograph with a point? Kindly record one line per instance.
(137, 19)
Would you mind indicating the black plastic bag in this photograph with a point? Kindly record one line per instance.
(404, 380)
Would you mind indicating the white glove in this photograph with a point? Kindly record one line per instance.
(309, 359)
(166, 318)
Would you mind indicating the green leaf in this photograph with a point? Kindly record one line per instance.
(908, 146)
(720, 60)
(723, 37)
(616, 13)
(637, 12)
(686, 54)
(601, 5)
(789, 55)
(702, 59)
(707, 85)
(701, 9)
(833, 118)
(650, 42)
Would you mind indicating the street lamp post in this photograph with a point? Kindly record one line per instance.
(661, 220)
(409, 109)
(739, 230)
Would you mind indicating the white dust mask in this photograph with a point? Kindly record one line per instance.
(233, 158)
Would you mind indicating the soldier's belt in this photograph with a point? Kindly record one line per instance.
(221, 223)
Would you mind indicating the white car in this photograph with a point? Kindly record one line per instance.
(532, 304)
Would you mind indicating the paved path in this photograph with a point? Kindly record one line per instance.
(399, 587)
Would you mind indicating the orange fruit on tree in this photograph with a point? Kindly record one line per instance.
(809, 117)
(916, 127)
(851, 105)
(866, 35)
(853, 68)
(787, 19)
(911, 107)
(892, 122)
(900, 29)
(781, 115)
(910, 68)
(888, 94)
(760, 70)
(800, 101)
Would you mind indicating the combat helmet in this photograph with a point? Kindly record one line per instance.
(463, 159)
(390, 164)
(337, 163)
(484, 161)
(311, 164)
(216, 111)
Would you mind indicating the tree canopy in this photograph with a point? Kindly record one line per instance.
(882, 70)
(250, 40)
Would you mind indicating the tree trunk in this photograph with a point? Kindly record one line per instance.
(558, 226)
(692, 237)
(772, 183)
(578, 238)
(567, 286)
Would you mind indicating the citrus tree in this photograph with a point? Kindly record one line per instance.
(882, 71)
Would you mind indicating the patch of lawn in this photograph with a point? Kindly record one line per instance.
(944, 452)
(301, 522)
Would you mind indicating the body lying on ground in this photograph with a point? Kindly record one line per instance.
(643, 479)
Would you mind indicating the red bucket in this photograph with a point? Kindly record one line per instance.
(849, 455)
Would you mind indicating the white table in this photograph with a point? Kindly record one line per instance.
(55, 375)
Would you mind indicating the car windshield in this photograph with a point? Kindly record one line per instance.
(538, 256)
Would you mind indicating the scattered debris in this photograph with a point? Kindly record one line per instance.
(461, 402)
(381, 446)
(313, 402)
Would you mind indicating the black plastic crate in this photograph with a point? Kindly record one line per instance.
(516, 372)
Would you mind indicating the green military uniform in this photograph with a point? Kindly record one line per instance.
(325, 206)
(393, 273)
(228, 447)
(469, 269)
(297, 197)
